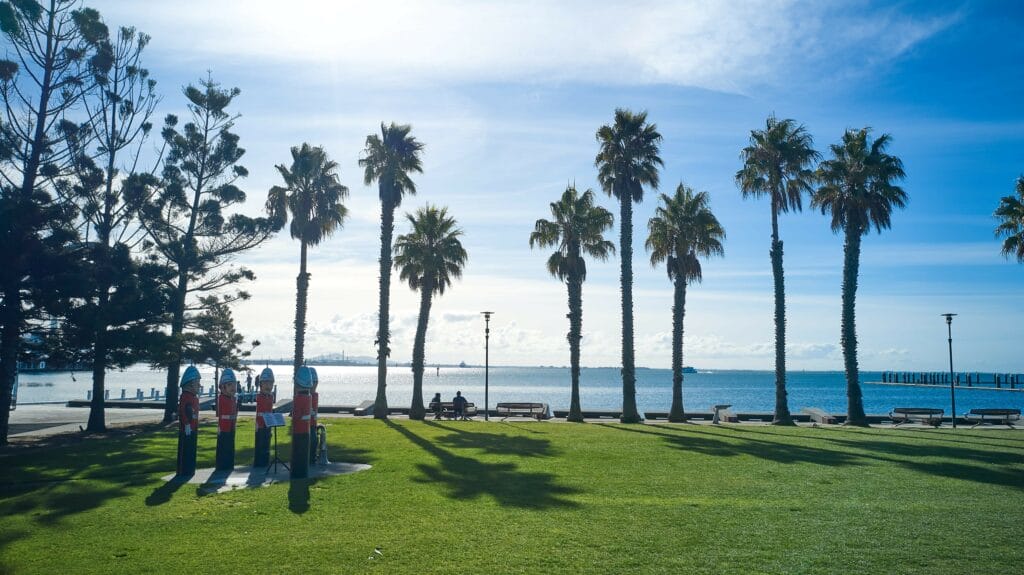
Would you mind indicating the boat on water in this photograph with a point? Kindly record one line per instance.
(689, 369)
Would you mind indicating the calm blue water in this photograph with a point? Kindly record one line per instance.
(600, 388)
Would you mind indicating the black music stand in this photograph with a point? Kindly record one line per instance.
(273, 421)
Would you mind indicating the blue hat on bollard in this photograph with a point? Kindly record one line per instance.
(316, 378)
(304, 377)
(191, 374)
(267, 375)
(228, 376)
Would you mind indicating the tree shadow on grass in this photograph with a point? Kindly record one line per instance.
(969, 438)
(467, 478)
(163, 493)
(960, 463)
(73, 474)
(8, 536)
(1001, 468)
(298, 495)
(57, 480)
(937, 435)
(522, 426)
(495, 443)
(901, 450)
(692, 438)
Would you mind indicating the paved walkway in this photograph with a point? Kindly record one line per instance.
(246, 477)
(44, 420)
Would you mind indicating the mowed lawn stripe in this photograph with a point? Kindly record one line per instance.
(468, 497)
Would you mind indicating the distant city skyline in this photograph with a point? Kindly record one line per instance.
(507, 98)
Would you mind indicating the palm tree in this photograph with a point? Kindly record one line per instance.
(312, 195)
(627, 161)
(1011, 215)
(682, 231)
(388, 159)
(577, 230)
(777, 163)
(857, 190)
(428, 258)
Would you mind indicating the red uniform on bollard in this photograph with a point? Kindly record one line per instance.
(227, 416)
(302, 408)
(264, 404)
(188, 422)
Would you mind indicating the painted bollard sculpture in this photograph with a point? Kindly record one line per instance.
(264, 404)
(315, 404)
(302, 407)
(188, 421)
(227, 415)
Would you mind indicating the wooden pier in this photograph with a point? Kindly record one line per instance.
(968, 380)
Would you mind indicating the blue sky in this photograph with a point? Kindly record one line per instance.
(507, 97)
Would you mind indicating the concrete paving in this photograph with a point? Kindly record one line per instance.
(246, 477)
(44, 420)
(30, 421)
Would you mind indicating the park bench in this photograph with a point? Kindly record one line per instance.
(446, 409)
(820, 415)
(931, 416)
(994, 416)
(538, 411)
(364, 408)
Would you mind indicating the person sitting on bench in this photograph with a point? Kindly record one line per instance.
(459, 405)
(436, 405)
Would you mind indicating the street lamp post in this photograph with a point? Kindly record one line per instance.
(952, 379)
(487, 362)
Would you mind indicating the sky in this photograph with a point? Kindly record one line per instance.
(507, 97)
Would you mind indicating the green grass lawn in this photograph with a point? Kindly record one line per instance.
(472, 497)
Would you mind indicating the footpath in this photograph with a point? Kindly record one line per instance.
(44, 420)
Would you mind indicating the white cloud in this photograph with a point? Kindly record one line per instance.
(726, 46)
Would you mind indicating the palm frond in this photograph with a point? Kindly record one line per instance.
(431, 255)
(577, 229)
(682, 231)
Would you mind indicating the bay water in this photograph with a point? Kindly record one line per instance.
(600, 388)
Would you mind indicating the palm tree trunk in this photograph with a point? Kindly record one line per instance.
(782, 415)
(301, 297)
(387, 228)
(851, 267)
(417, 411)
(676, 414)
(575, 286)
(629, 411)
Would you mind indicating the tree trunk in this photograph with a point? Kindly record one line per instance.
(782, 415)
(175, 353)
(677, 414)
(387, 228)
(10, 341)
(100, 345)
(417, 411)
(97, 414)
(629, 411)
(848, 338)
(575, 285)
(302, 293)
(10, 346)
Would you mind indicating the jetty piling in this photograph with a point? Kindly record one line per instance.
(974, 380)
